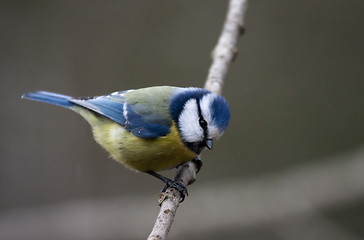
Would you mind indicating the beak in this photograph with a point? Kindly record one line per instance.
(208, 143)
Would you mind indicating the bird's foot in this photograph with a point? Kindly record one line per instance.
(198, 162)
(171, 184)
(178, 186)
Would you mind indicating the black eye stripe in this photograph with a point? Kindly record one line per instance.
(202, 121)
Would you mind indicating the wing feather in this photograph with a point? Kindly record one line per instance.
(142, 118)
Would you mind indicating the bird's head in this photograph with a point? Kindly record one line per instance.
(201, 117)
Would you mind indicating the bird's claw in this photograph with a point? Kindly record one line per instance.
(198, 162)
(179, 187)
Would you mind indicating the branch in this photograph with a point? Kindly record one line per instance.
(223, 54)
(169, 202)
(226, 49)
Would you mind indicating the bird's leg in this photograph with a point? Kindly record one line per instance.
(175, 184)
(197, 160)
(172, 184)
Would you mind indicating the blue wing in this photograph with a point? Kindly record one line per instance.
(110, 106)
(136, 118)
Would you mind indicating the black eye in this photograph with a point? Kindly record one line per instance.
(203, 123)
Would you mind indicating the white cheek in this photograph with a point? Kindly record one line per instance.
(214, 132)
(189, 122)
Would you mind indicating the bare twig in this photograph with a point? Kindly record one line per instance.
(222, 55)
(169, 202)
(226, 49)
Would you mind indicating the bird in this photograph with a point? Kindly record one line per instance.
(151, 129)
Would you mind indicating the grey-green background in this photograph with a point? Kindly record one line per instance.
(295, 90)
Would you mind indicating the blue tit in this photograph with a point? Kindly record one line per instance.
(150, 129)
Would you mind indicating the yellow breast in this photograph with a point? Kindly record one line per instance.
(137, 153)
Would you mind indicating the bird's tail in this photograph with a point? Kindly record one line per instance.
(49, 97)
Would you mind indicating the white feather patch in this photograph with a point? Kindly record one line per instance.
(188, 122)
(125, 113)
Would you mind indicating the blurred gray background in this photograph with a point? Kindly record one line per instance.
(295, 138)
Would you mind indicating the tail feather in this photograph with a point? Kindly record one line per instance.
(49, 97)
